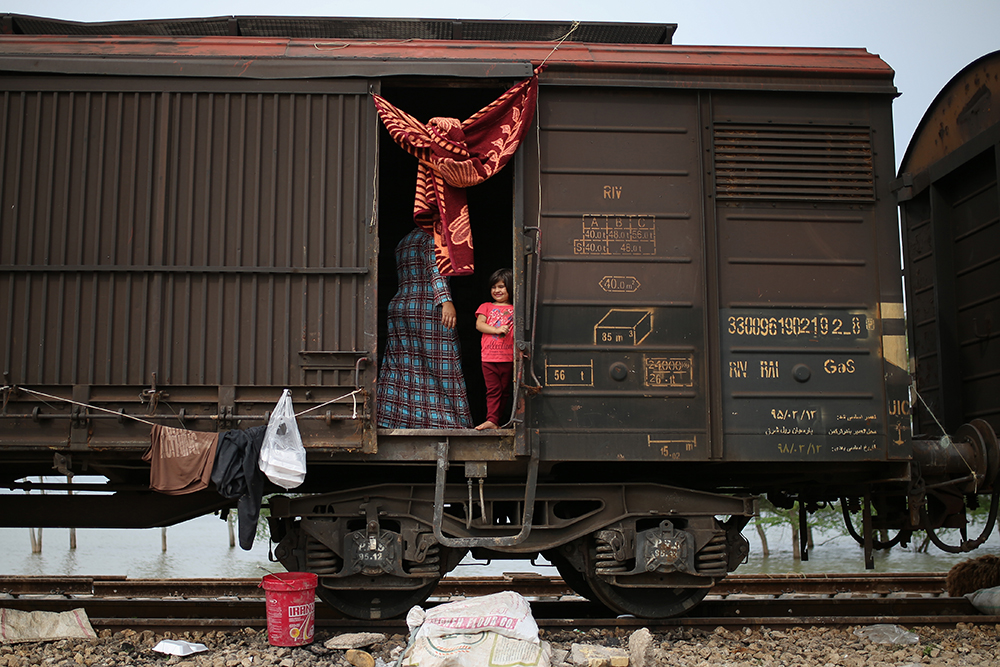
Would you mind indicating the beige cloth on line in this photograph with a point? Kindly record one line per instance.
(181, 461)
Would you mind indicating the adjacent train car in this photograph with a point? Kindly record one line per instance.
(950, 205)
(708, 305)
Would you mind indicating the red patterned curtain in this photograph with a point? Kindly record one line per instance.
(454, 155)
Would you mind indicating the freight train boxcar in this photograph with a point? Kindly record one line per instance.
(707, 296)
(948, 194)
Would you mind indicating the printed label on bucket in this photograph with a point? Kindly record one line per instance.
(290, 619)
(299, 610)
(300, 618)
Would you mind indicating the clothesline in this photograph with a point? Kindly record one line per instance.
(576, 24)
(352, 395)
(354, 398)
(338, 45)
(84, 405)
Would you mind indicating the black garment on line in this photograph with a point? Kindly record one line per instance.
(236, 474)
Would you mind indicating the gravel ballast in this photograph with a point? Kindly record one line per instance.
(967, 644)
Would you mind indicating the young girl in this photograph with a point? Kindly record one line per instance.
(494, 321)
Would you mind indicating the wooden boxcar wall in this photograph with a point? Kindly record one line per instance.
(212, 232)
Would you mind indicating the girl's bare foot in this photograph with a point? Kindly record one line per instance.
(486, 425)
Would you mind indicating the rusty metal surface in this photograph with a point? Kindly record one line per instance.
(793, 162)
(527, 583)
(910, 599)
(949, 199)
(966, 107)
(801, 282)
(773, 601)
(633, 261)
(621, 337)
(844, 70)
(139, 239)
(864, 582)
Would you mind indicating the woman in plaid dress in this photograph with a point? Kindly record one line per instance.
(420, 384)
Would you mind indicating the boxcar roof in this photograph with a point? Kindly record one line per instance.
(959, 114)
(326, 27)
(827, 69)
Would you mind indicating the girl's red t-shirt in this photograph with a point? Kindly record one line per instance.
(497, 347)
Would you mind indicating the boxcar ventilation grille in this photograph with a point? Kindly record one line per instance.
(802, 163)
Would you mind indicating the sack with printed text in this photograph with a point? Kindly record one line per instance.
(489, 631)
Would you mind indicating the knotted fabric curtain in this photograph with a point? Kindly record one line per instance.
(454, 155)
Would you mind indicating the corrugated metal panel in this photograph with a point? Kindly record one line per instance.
(621, 336)
(38, 25)
(591, 33)
(953, 233)
(799, 280)
(793, 162)
(182, 233)
(975, 222)
(323, 27)
(800, 342)
(951, 219)
(343, 28)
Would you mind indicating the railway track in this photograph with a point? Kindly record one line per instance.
(115, 603)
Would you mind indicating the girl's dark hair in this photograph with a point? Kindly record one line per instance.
(505, 276)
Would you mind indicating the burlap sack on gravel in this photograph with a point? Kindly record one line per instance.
(35, 626)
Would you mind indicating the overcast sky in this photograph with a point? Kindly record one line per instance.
(926, 42)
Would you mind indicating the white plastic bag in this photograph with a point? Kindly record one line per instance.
(282, 456)
(887, 633)
(179, 647)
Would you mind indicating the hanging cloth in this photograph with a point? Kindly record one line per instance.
(237, 475)
(454, 155)
(180, 460)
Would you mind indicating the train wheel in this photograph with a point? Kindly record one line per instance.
(375, 604)
(573, 577)
(654, 571)
(646, 602)
(371, 595)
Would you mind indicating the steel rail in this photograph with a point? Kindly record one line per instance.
(232, 615)
(528, 584)
(773, 601)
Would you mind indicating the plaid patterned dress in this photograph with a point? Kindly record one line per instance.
(420, 384)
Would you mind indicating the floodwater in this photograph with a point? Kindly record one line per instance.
(200, 548)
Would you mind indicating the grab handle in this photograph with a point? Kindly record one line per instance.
(483, 541)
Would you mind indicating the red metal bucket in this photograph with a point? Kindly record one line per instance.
(291, 607)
